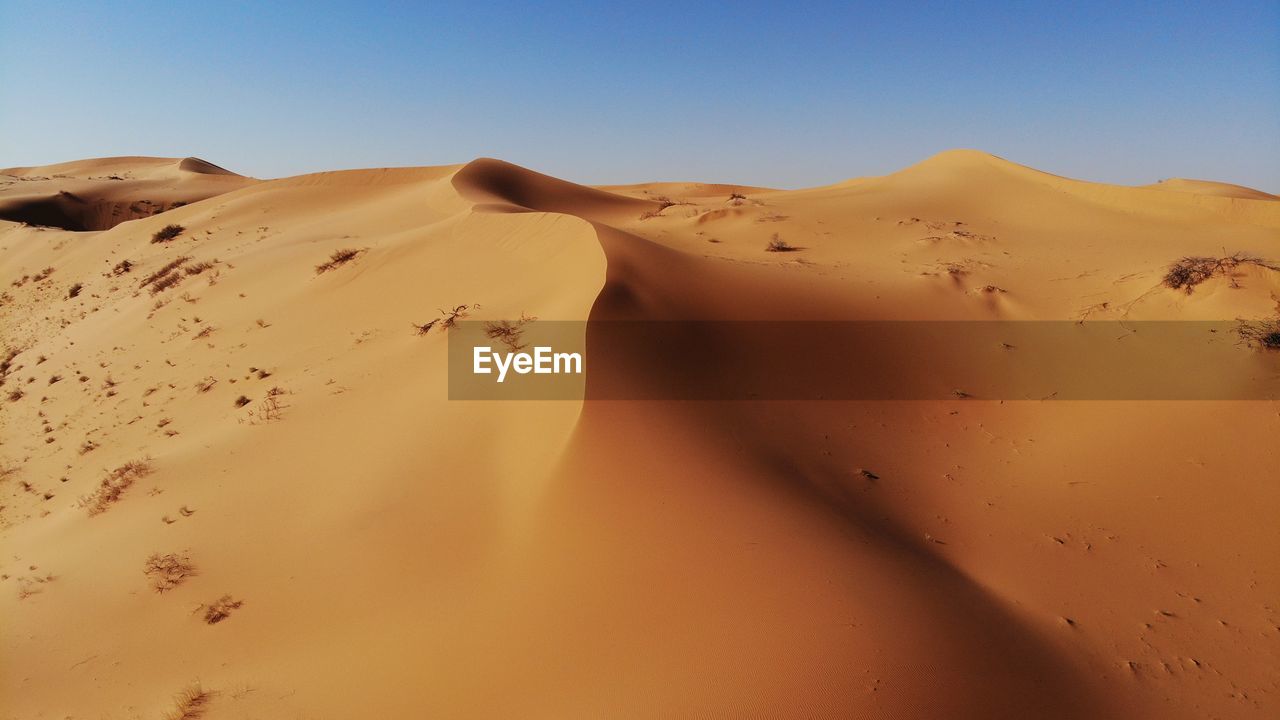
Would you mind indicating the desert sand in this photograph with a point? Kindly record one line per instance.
(233, 484)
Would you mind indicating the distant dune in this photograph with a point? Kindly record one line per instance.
(1208, 187)
(232, 483)
(100, 194)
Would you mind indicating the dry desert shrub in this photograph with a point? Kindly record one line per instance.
(220, 610)
(166, 277)
(448, 318)
(242, 401)
(168, 571)
(165, 282)
(337, 259)
(197, 268)
(272, 407)
(508, 333)
(1187, 273)
(114, 485)
(190, 704)
(6, 364)
(122, 267)
(1261, 333)
(777, 244)
(74, 290)
(167, 233)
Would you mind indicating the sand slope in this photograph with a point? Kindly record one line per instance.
(400, 555)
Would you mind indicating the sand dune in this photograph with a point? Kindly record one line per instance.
(102, 193)
(1209, 187)
(233, 480)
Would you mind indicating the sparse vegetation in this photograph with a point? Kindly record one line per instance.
(6, 364)
(664, 202)
(114, 485)
(447, 320)
(168, 571)
(165, 282)
(197, 268)
(337, 259)
(1263, 334)
(271, 408)
(74, 290)
(190, 704)
(122, 267)
(166, 277)
(508, 333)
(167, 233)
(777, 244)
(242, 401)
(221, 609)
(1190, 271)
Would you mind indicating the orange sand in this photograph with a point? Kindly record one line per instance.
(397, 554)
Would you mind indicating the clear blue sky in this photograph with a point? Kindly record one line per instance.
(777, 94)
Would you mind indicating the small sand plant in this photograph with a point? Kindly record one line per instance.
(167, 233)
(337, 259)
(164, 278)
(508, 333)
(777, 244)
(113, 486)
(190, 704)
(168, 571)
(448, 318)
(220, 609)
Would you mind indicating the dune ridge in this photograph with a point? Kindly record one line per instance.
(958, 558)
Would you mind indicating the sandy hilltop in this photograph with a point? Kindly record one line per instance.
(232, 484)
